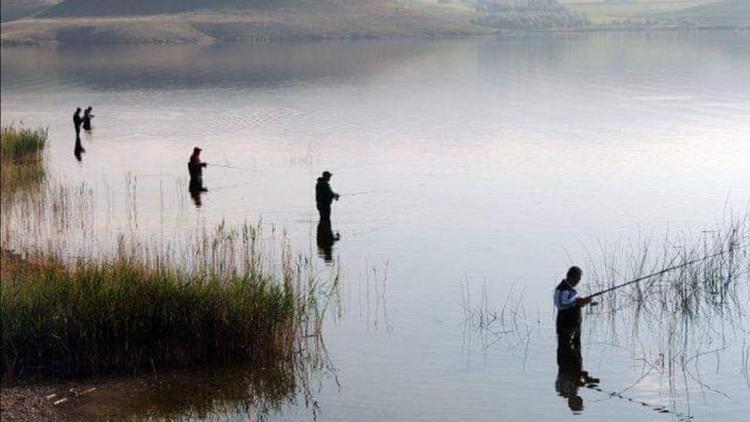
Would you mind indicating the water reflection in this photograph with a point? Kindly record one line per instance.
(570, 373)
(216, 66)
(211, 393)
(195, 195)
(326, 239)
(78, 150)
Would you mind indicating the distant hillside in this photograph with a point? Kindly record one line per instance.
(728, 12)
(528, 15)
(207, 21)
(69, 8)
(17, 9)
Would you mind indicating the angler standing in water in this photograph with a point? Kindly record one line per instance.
(570, 364)
(87, 116)
(324, 196)
(195, 168)
(77, 121)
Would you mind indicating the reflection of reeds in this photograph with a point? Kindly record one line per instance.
(674, 319)
(509, 323)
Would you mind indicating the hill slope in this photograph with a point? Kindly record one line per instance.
(17, 9)
(69, 8)
(728, 12)
(205, 21)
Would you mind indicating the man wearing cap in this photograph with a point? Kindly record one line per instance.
(324, 196)
(195, 167)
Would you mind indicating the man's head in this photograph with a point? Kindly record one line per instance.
(197, 151)
(327, 175)
(78, 109)
(574, 275)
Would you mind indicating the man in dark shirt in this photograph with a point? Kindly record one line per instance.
(77, 121)
(195, 168)
(324, 195)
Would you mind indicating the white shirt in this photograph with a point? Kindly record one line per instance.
(565, 299)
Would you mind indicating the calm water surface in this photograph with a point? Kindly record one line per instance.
(476, 164)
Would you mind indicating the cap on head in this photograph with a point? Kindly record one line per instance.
(327, 174)
(196, 149)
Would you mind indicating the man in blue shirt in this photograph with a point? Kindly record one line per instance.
(568, 323)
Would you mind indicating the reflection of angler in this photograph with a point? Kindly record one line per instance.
(78, 149)
(326, 239)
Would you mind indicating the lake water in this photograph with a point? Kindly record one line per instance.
(471, 165)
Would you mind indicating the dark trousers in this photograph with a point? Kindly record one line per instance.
(196, 184)
(324, 210)
(569, 347)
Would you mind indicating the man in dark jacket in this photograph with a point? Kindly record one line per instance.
(324, 195)
(77, 121)
(195, 168)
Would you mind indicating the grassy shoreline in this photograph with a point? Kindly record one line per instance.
(222, 298)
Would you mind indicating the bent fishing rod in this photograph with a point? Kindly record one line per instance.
(665, 270)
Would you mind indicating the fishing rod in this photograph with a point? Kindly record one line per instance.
(665, 270)
(229, 167)
(369, 192)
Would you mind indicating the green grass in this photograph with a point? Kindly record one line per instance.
(133, 312)
(21, 143)
(21, 164)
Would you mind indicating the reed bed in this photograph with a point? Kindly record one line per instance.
(141, 309)
(676, 324)
(19, 143)
(85, 291)
(21, 165)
